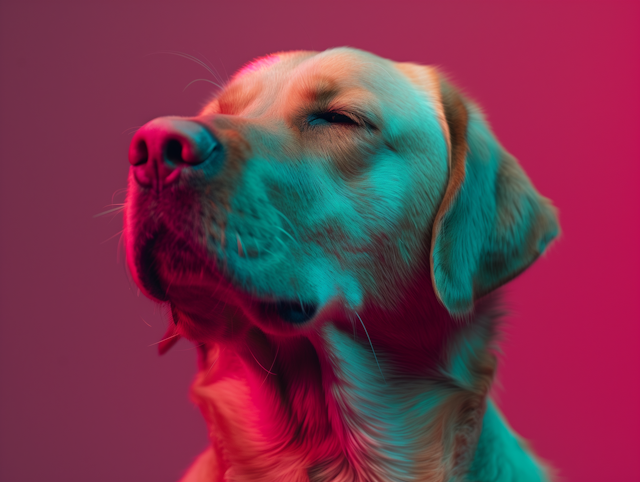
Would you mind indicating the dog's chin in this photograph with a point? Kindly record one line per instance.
(168, 269)
(204, 295)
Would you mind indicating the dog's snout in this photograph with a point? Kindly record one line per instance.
(166, 145)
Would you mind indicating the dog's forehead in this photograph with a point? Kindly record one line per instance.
(304, 77)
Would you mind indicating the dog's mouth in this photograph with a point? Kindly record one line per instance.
(148, 269)
(294, 312)
(190, 288)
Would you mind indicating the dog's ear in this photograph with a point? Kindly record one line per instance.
(492, 223)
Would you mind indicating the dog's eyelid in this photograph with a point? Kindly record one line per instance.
(334, 117)
(335, 114)
(363, 117)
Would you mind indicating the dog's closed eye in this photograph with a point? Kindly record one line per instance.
(334, 118)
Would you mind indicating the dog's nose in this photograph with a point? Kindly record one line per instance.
(166, 145)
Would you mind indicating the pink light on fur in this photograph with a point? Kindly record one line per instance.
(257, 64)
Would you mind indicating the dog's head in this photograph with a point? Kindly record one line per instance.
(316, 185)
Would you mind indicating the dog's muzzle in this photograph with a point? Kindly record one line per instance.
(159, 152)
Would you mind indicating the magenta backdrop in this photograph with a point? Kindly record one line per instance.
(83, 396)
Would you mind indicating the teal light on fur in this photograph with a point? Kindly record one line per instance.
(501, 455)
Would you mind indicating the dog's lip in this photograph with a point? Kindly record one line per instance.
(295, 312)
(147, 268)
(203, 301)
(151, 270)
(183, 286)
(198, 294)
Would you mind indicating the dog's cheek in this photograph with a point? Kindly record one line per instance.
(350, 151)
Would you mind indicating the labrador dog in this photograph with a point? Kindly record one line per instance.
(330, 232)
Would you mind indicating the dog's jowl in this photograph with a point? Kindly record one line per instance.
(330, 231)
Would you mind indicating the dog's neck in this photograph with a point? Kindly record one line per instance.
(326, 408)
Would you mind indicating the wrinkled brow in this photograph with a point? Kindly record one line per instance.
(323, 93)
(320, 91)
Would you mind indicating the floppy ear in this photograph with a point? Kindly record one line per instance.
(492, 223)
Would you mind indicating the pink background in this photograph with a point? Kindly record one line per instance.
(82, 395)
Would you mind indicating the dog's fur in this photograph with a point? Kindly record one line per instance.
(377, 193)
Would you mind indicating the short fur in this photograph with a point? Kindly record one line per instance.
(397, 225)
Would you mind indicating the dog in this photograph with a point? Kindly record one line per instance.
(330, 231)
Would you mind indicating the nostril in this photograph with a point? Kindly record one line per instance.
(140, 154)
(163, 148)
(173, 152)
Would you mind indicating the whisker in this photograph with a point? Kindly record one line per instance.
(210, 64)
(131, 130)
(371, 344)
(214, 362)
(173, 277)
(260, 249)
(225, 69)
(287, 220)
(120, 246)
(194, 347)
(167, 338)
(285, 232)
(254, 357)
(189, 57)
(118, 191)
(271, 367)
(109, 239)
(145, 322)
(112, 210)
(283, 244)
(202, 80)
